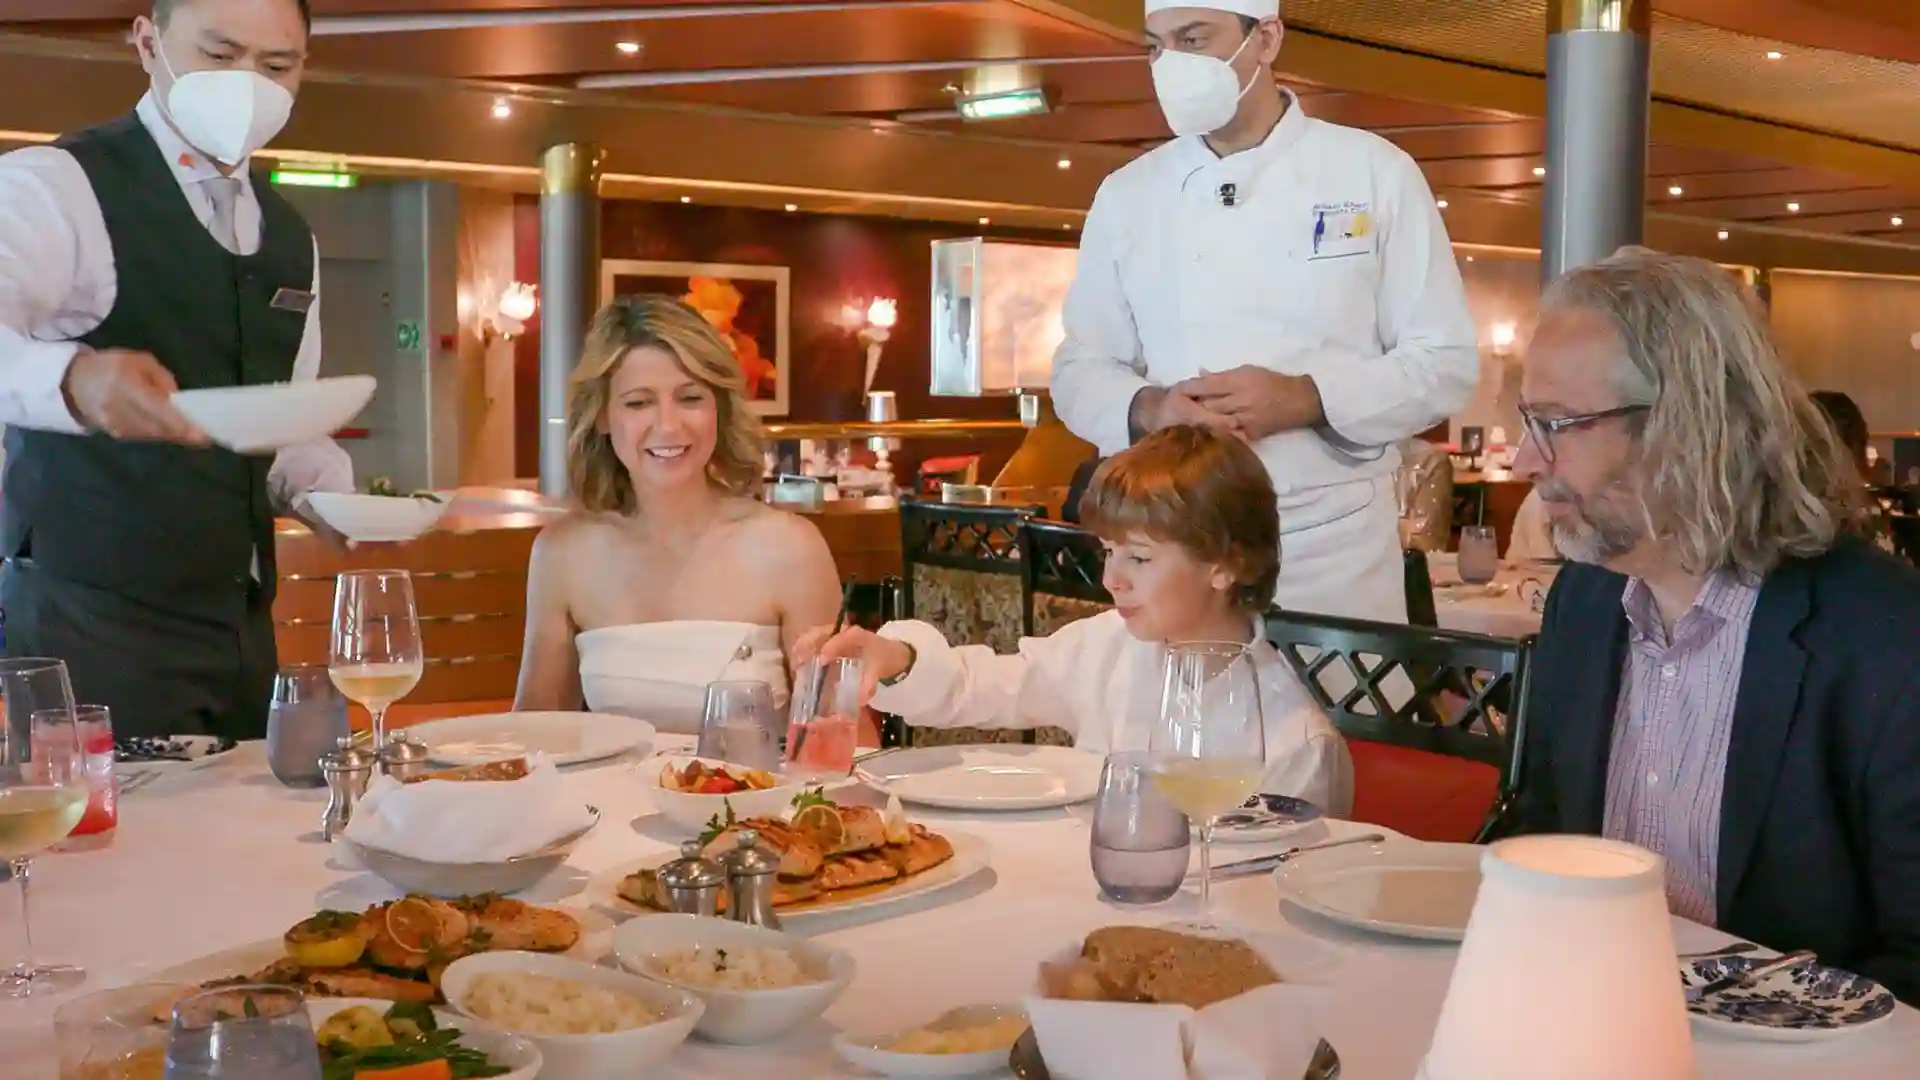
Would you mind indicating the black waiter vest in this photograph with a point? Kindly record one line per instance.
(166, 525)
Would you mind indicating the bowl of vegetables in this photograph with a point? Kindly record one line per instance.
(690, 791)
(362, 1039)
(383, 515)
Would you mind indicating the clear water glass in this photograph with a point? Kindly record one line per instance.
(823, 720)
(43, 794)
(738, 724)
(1140, 842)
(1479, 554)
(242, 1033)
(305, 720)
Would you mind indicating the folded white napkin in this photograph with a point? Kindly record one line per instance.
(467, 822)
(1265, 1034)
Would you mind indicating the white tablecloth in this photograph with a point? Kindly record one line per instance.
(1506, 615)
(226, 856)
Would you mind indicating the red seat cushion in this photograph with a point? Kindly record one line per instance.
(1426, 796)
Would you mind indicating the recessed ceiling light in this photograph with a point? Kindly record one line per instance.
(1065, 163)
(1442, 204)
(1723, 234)
(1776, 54)
(1898, 221)
(986, 221)
(501, 109)
(686, 198)
(1469, 258)
(1676, 190)
(628, 47)
(1793, 207)
(1068, 225)
(791, 208)
(1539, 170)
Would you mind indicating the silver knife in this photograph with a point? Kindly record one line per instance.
(1265, 863)
(1751, 975)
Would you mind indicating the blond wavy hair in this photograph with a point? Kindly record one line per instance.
(594, 471)
(1738, 467)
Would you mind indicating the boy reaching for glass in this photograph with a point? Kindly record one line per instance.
(1191, 529)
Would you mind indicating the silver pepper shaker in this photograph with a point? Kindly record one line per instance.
(346, 771)
(403, 759)
(752, 873)
(691, 884)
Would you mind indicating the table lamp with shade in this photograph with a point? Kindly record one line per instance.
(1567, 971)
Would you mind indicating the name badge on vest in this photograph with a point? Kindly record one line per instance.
(296, 300)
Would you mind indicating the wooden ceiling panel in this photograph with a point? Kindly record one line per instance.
(878, 92)
(1773, 209)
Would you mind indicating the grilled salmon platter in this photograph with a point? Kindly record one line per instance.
(826, 851)
(396, 951)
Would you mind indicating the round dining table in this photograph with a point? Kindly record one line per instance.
(1505, 607)
(211, 858)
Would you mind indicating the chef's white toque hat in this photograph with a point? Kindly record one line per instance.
(1252, 9)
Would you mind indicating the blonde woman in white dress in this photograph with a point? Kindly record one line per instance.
(671, 573)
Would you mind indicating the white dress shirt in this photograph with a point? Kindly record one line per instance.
(1333, 262)
(58, 282)
(1102, 684)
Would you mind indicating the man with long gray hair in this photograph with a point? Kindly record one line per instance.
(1726, 676)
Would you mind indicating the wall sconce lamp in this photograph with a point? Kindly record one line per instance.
(875, 327)
(1502, 335)
(511, 312)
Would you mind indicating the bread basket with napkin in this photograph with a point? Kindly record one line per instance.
(493, 828)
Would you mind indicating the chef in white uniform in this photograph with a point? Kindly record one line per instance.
(1280, 276)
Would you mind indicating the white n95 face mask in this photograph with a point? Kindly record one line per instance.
(225, 113)
(1198, 93)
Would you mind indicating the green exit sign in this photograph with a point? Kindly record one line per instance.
(302, 178)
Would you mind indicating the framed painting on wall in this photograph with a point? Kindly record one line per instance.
(747, 304)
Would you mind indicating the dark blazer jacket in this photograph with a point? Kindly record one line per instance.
(1820, 820)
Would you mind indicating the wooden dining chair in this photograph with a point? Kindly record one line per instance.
(1434, 773)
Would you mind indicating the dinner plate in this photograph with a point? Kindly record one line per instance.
(1402, 887)
(1265, 817)
(989, 777)
(971, 855)
(504, 1050)
(875, 1052)
(566, 738)
(261, 419)
(1805, 1004)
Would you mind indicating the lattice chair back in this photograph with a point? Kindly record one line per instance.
(1468, 691)
(1062, 566)
(1906, 535)
(963, 576)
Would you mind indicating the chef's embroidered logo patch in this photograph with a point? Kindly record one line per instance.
(1341, 229)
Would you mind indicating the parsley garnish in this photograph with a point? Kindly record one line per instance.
(812, 797)
(715, 826)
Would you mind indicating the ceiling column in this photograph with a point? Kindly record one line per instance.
(1598, 92)
(569, 289)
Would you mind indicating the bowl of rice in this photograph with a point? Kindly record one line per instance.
(588, 1021)
(757, 984)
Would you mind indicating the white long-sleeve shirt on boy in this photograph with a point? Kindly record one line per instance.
(1102, 684)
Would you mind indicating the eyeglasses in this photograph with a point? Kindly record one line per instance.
(1542, 429)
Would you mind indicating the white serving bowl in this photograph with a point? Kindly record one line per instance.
(379, 518)
(690, 812)
(737, 1016)
(870, 1051)
(585, 1057)
(454, 880)
(261, 419)
(503, 1049)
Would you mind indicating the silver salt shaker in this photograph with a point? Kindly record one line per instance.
(691, 884)
(403, 759)
(752, 872)
(346, 771)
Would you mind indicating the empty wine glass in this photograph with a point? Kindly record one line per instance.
(823, 720)
(1140, 841)
(243, 1033)
(43, 794)
(1210, 748)
(376, 657)
(738, 724)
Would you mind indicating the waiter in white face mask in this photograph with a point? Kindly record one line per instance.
(1278, 276)
(138, 258)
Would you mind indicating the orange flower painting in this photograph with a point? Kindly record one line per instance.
(746, 304)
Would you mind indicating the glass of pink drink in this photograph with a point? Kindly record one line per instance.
(92, 727)
(823, 721)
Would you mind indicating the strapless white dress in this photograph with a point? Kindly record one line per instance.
(658, 672)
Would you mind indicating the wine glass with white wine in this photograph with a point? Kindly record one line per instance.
(376, 657)
(1210, 749)
(43, 794)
